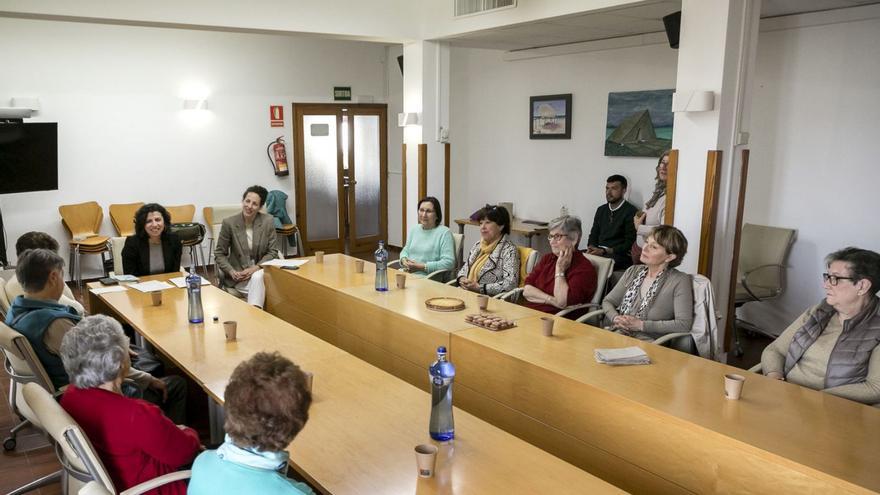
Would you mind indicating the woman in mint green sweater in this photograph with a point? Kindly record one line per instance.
(429, 246)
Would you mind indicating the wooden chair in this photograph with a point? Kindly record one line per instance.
(283, 233)
(83, 221)
(122, 218)
(81, 463)
(186, 214)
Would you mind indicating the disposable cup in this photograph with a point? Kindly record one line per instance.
(359, 266)
(231, 330)
(156, 296)
(319, 256)
(483, 301)
(547, 326)
(733, 386)
(426, 457)
(401, 280)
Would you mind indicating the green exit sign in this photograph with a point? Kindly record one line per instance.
(342, 93)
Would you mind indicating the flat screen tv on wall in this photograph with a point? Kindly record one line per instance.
(28, 157)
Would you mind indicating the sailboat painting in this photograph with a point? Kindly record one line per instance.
(550, 117)
(639, 123)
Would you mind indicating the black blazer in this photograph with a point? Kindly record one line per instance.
(136, 254)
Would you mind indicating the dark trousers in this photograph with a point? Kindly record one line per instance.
(174, 407)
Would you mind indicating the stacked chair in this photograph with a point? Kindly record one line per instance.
(83, 222)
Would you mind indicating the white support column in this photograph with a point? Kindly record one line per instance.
(716, 53)
(426, 91)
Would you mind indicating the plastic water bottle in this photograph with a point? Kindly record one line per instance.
(381, 255)
(442, 372)
(194, 296)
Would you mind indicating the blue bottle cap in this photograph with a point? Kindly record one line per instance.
(441, 349)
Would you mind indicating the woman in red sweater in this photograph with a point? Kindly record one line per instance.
(135, 441)
(563, 277)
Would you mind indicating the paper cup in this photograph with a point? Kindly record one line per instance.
(156, 296)
(426, 457)
(733, 386)
(231, 330)
(319, 256)
(401, 281)
(547, 326)
(483, 301)
(359, 266)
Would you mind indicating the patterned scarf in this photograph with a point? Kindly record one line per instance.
(482, 258)
(271, 461)
(626, 306)
(659, 191)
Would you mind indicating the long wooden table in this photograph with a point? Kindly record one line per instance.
(663, 428)
(363, 423)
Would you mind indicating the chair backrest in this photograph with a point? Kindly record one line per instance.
(182, 213)
(82, 220)
(22, 362)
(604, 268)
(457, 241)
(4, 301)
(763, 245)
(122, 217)
(214, 216)
(80, 458)
(528, 258)
(705, 330)
(115, 245)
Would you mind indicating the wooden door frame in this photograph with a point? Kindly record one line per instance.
(301, 109)
(380, 110)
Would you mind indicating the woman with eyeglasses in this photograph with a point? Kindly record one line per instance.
(832, 346)
(429, 245)
(492, 267)
(563, 277)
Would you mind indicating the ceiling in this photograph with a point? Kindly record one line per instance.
(646, 17)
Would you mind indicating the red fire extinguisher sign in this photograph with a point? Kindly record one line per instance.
(276, 116)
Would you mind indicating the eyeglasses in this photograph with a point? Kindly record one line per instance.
(556, 237)
(833, 279)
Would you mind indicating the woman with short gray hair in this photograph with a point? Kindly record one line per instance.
(133, 438)
(563, 277)
(833, 346)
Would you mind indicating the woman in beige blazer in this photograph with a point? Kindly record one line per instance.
(653, 299)
(246, 241)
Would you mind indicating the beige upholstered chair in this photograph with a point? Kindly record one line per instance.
(528, 258)
(77, 455)
(4, 301)
(763, 258)
(442, 275)
(214, 216)
(23, 367)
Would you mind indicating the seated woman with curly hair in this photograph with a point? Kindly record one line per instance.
(267, 404)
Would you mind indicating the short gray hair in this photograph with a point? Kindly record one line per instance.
(34, 267)
(94, 351)
(570, 225)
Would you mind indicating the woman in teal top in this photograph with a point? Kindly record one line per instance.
(267, 404)
(429, 246)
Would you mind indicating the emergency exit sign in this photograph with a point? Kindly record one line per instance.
(342, 93)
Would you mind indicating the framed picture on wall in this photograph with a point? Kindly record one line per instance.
(550, 117)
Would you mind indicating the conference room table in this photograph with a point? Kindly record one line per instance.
(661, 428)
(363, 423)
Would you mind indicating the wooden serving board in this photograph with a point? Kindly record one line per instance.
(445, 304)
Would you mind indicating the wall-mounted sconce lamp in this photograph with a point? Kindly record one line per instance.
(20, 108)
(693, 101)
(201, 104)
(408, 118)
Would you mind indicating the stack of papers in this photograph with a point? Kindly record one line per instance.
(181, 281)
(622, 356)
(282, 263)
(152, 285)
(124, 278)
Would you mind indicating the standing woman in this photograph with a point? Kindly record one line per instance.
(153, 248)
(655, 209)
(429, 245)
(492, 267)
(245, 241)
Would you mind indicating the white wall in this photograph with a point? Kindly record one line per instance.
(813, 165)
(114, 91)
(493, 158)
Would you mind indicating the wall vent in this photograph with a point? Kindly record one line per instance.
(471, 7)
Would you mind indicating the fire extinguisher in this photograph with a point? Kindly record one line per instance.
(279, 161)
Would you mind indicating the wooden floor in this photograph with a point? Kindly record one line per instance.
(17, 469)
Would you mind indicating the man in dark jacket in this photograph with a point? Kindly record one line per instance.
(613, 232)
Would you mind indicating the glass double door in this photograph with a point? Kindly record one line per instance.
(340, 173)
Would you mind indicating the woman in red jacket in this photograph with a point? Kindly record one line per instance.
(563, 277)
(134, 439)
